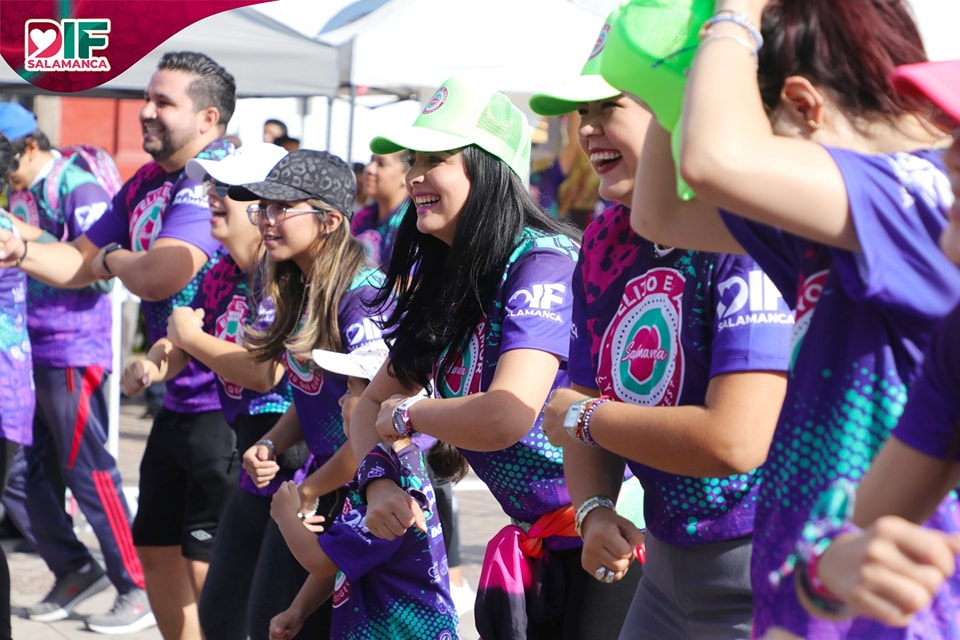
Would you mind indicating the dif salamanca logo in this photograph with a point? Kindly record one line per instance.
(72, 44)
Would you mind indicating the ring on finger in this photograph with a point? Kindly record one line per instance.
(608, 576)
(600, 574)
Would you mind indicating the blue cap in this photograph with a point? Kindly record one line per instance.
(16, 121)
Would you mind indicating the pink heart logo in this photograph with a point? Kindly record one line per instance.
(41, 41)
(644, 352)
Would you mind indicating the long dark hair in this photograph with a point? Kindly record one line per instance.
(441, 291)
(847, 48)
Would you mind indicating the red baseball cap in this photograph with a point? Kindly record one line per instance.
(937, 81)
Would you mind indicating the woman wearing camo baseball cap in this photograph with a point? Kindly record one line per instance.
(317, 277)
(482, 277)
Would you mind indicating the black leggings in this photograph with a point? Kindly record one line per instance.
(7, 451)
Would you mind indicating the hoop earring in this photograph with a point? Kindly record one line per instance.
(813, 124)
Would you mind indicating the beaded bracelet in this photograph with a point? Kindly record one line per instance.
(583, 424)
(374, 466)
(737, 18)
(830, 518)
(268, 443)
(588, 505)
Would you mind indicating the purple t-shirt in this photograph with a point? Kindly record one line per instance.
(391, 588)
(862, 322)
(316, 393)
(17, 393)
(651, 326)
(931, 420)
(68, 327)
(151, 205)
(377, 237)
(531, 311)
(228, 311)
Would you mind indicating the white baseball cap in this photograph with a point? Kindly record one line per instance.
(250, 163)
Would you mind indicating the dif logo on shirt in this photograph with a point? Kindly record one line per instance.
(72, 44)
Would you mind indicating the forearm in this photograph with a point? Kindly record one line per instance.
(363, 431)
(232, 362)
(168, 359)
(59, 264)
(486, 421)
(312, 594)
(286, 432)
(335, 472)
(305, 548)
(590, 472)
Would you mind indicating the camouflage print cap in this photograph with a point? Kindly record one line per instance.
(304, 174)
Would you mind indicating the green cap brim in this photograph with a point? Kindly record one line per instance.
(566, 97)
(417, 138)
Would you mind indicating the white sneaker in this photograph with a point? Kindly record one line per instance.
(463, 597)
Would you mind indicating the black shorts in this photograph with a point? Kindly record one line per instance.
(188, 472)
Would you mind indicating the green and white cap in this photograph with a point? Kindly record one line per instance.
(589, 86)
(460, 114)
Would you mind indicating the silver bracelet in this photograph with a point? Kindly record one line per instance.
(588, 505)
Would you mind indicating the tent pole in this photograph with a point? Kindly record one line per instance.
(353, 108)
(330, 100)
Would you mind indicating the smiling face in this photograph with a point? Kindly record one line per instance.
(611, 134)
(439, 186)
(228, 217)
(383, 177)
(171, 125)
(295, 235)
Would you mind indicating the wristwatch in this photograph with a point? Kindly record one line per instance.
(573, 417)
(110, 249)
(401, 415)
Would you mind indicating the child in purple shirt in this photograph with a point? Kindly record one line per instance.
(381, 588)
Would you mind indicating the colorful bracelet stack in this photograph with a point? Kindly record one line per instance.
(583, 422)
(588, 505)
(739, 19)
(830, 518)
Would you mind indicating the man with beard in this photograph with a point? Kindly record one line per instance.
(156, 239)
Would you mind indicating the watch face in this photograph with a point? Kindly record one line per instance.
(570, 420)
(399, 422)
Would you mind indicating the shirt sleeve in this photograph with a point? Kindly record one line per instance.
(114, 224)
(187, 218)
(538, 303)
(898, 205)
(359, 322)
(352, 547)
(931, 419)
(88, 202)
(778, 253)
(752, 324)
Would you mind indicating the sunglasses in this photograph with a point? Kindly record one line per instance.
(210, 183)
(275, 214)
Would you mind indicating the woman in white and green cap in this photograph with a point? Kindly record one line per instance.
(482, 281)
(674, 376)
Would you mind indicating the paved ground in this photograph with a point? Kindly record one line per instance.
(480, 518)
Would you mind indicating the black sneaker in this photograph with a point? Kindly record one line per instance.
(131, 612)
(68, 591)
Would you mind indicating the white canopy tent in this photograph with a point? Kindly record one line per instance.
(409, 47)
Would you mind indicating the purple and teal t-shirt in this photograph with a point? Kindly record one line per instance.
(651, 327)
(530, 311)
(68, 327)
(377, 237)
(17, 393)
(931, 420)
(152, 205)
(228, 310)
(391, 588)
(316, 393)
(863, 321)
